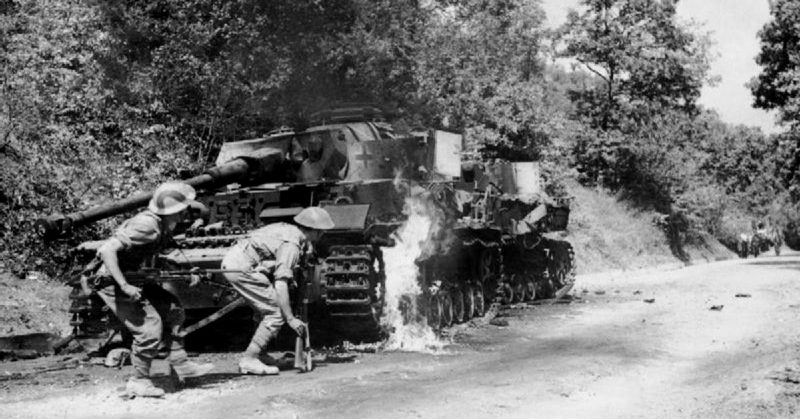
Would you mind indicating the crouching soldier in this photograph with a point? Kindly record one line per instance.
(272, 252)
(151, 314)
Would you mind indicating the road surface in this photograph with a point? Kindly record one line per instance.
(714, 340)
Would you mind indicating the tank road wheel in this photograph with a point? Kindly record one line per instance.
(518, 286)
(530, 289)
(507, 291)
(468, 295)
(480, 300)
(447, 309)
(545, 286)
(457, 297)
(486, 263)
(435, 312)
(488, 273)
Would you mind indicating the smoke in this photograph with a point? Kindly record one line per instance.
(402, 315)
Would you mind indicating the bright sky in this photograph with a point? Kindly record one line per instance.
(733, 25)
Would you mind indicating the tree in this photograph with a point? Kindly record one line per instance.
(480, 70)
(778, 84)
(641, 55)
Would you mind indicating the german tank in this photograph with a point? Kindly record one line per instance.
(491, 244)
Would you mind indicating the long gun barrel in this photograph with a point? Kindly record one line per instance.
(245, 170)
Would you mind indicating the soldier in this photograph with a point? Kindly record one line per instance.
(151, 314)
(323, 162)
(272, 251)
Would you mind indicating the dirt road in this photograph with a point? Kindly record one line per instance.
(657, 345)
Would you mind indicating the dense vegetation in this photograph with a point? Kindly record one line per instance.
(778, 88)
(100, 99)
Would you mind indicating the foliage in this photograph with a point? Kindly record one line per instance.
(488, 80)
(63, 144)
(648, 139)
(778, 85)
(101, 99)
(644, 59)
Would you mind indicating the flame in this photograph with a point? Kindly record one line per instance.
(413, 240)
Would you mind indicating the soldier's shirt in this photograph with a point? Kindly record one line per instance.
(281, 242)
(141, 237)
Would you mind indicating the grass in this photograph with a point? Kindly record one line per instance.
(609, 234)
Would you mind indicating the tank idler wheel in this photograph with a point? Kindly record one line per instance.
(447, 309)
(468, 295)
(518, 286)
(457, 297)
(563, 284)
(566, 281)
(434, 312)
(530, 289)
(480, 301)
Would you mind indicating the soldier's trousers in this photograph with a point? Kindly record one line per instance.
(154, 319)
(258, 291)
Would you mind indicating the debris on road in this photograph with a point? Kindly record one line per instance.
(61, 364)
(637, 292)
(28, 346)
(742, 295)
(550, 301)
(789, 375)
(716, 307)
(499, 322)
(649, 300)
(600, 292)
(118, 357)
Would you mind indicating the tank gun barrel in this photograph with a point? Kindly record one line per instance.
(245, 170)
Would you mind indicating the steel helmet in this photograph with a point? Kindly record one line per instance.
(314, 217)
(171, 198)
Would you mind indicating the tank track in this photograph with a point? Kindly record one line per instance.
(457, 286)
(462, 285)
(351, 287)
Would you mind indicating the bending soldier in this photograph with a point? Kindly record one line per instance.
(273, 250)
(151, 314)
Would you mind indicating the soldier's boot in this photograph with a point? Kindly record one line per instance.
(249, 365)
(142, 387)
(183, 368)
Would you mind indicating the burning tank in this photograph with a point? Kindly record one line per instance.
(483, 240)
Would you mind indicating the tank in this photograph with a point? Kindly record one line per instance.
(490, 247)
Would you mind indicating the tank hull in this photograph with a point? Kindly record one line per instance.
(491, 245)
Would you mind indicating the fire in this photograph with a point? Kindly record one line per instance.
(409, 332)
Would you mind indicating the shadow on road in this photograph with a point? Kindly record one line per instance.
(170, 384)
(793, 264)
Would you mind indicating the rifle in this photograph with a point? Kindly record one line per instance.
(90, 282)
(153, 276)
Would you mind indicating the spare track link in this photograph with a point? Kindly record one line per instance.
(349, 282)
